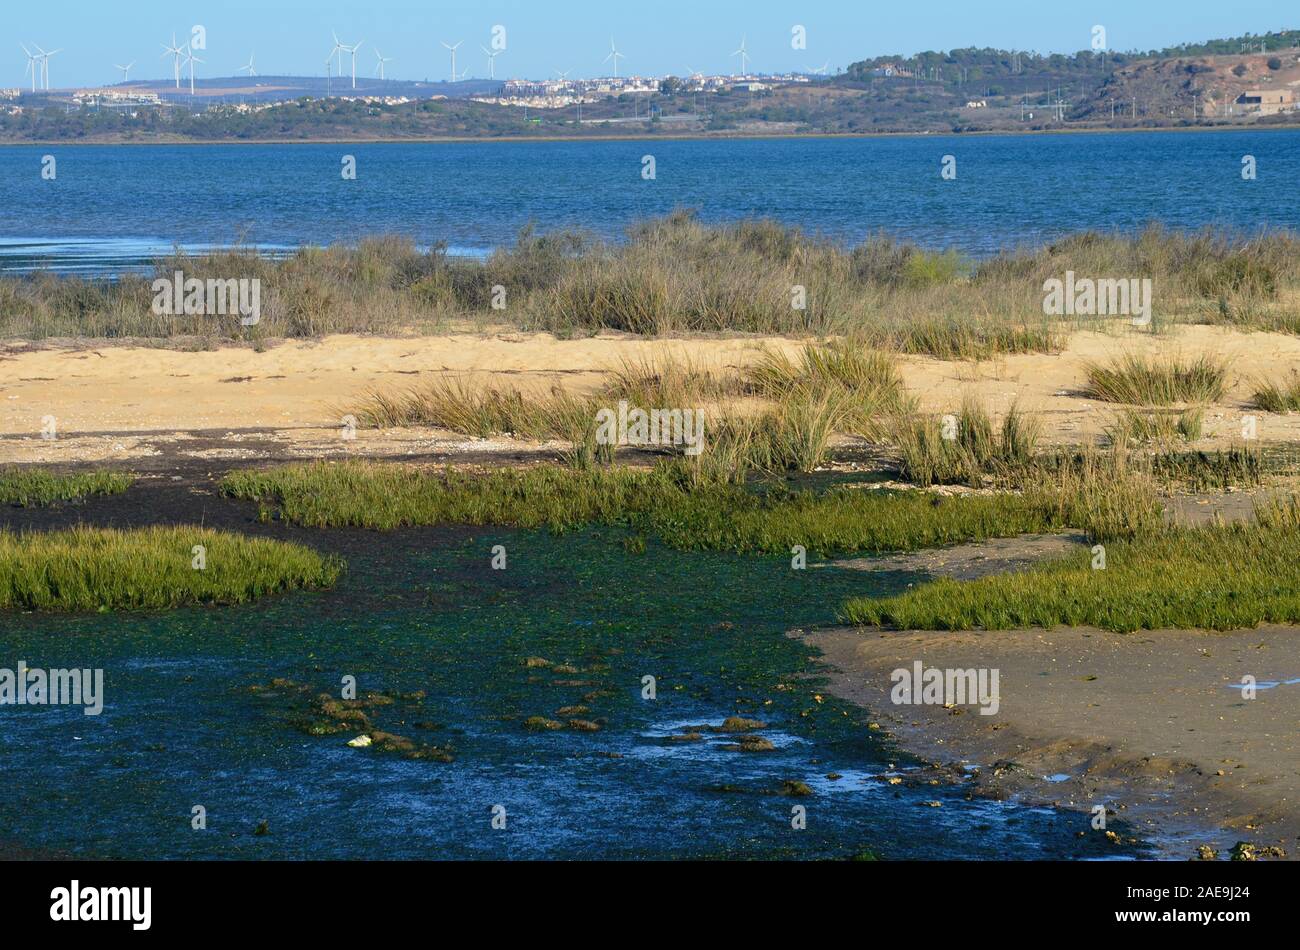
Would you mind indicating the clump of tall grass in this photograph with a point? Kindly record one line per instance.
(963, 449)
(1138, 426)
(1107, 495)
(1278, 397)
(1216, 577)
(965, 337)
(866, 382)
(1141, 381)
(670, 382)
(81, 569)
(34, 487)
(477, 411)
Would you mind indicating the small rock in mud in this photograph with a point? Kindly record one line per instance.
(387, 742)
(408, 749)
(750, 744)
(541, 724)
(739, 724)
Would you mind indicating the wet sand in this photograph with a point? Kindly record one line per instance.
(1152, 725)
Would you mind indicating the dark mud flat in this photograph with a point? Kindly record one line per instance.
(205, 707)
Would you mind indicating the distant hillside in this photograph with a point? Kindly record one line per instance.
(962, 90)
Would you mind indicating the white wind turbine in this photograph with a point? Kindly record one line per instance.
(382, 60)
(615, 55)
(190, 60)
(492, 55)
(352, 50)
(176, 52)
(126, 70)
(329, 64)
(337, 51)
(743, 53)
(45, 65)
(250, 68)
(453, 58)
(32, 60)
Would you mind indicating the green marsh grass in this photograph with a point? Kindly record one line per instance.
(83, 569)
(30, 487)
(696, 516)
(1217, 577)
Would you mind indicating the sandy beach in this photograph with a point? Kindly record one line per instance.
(124, 401)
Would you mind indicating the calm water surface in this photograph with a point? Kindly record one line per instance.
(112, 208)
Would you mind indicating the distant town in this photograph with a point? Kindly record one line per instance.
(1234, 81)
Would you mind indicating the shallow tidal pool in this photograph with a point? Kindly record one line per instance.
(191, 719)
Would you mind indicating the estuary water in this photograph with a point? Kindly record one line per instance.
(115, 208)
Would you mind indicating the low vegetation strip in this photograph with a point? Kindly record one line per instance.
(675, 276)
(38, 488)
(1215, 577)
(715, 516)
(82, 569)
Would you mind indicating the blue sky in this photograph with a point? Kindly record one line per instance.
(293, 36)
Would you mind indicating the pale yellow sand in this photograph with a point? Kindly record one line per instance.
(100, 396)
